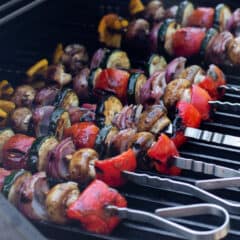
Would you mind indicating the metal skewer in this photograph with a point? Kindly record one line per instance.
(158, 219)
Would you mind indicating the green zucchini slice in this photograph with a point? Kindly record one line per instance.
(37, 160)
(12, 184)
(184, 11)
(5, 135)
(136, 81)
(66, 98)
(117, 59)
(156, 63)
(165, 34)
(107, 108)
(92, 78)
(221, 16)
(59, 121)
(212, 32)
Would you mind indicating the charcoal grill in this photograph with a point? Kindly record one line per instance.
(34, 35)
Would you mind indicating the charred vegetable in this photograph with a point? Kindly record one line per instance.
(5, 135)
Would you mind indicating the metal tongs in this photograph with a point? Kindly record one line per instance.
(159, 219)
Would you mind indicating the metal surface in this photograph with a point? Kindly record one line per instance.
(193, 210)
(212, 137)
(171, 185)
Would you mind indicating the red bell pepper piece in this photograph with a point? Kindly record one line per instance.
(187, 41)
(201, 17)
(89, 209)
(84, 134)
(200, 99)
(214, 78)
(114, 81)
(161, 152)
(111, 169)
(190, 117)
(15, 151)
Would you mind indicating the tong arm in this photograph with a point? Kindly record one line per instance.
(160, 221)
(205, 168)
(171, 185)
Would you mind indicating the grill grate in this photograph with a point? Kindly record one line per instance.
(37, 34)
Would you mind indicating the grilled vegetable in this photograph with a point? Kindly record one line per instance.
(3, 118)
(201, 17)
(80, 84)
(233, 51)
(210, 34)
(7, 106)
(113, 81)
(90, 206)
(56, 73)
(192, 73)
(185, 10)
(39, 67)
(153, 119)
(12, 185)
(81, 166)
(58, 54)
(221, 16)
(128, 117)
(186, 116)
(161, 153)
(104, 58)
(81, 114)
(58, 161)
(67, 98)
(165, 35)
(93, 76)
(121, 142)
(107, 109)
(74, 58)
(24, 96)
(6, 89)
(137, 35)
(41, 117)
(32, 197)
(135, 7)
(110, 30)
(58, 199)
(15, 151)
(216, 51)
(3, 174)
(174, 91)
(135, 83)
(153, 89)
(5, 135)
(233, 24)
(84, 134)
(20, 119)
(152, 9)
(59, 121)
(37, 157)
(212, 81)
(156, 63)
(187, 41)
(46, 96)
(101, 144)
(174, 68)
(110, 170)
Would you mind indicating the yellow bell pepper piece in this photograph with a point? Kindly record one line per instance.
(7, 106)
(135, 6)
(58, 53)
(39, 66)
(6, 89)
